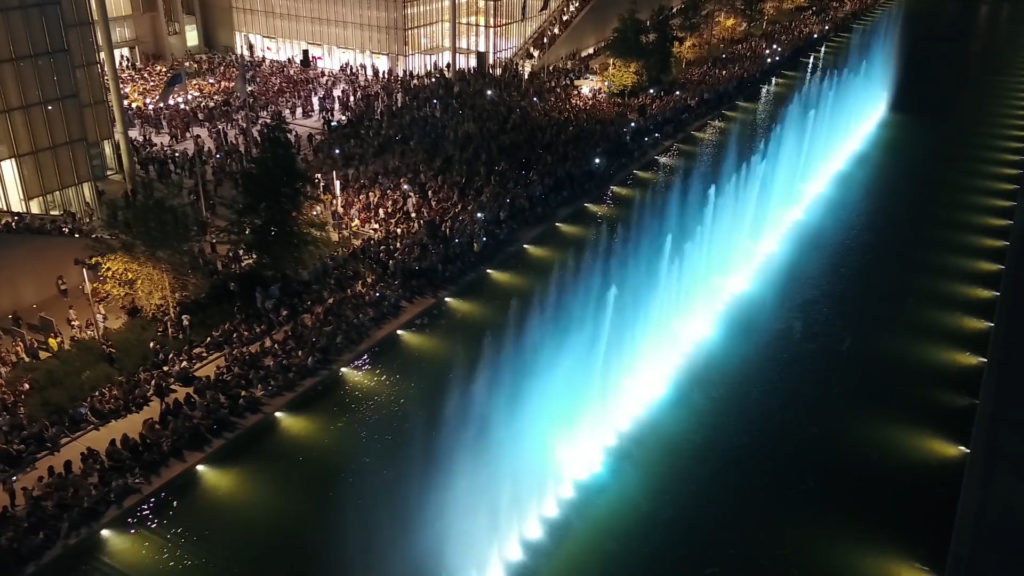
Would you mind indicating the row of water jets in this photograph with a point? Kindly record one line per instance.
(592, 352)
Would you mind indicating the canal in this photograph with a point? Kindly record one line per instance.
(818, 432)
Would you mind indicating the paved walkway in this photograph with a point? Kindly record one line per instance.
(31, 263)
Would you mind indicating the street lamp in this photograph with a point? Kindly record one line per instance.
(88, 292)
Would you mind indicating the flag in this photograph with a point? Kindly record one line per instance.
(523, 17)
(242, 83)
(544, 6)
(176, 79)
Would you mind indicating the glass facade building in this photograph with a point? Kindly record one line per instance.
(401, 34)
(55, 129)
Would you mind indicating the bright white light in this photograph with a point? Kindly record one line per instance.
(279, 414)
(597, 160)
(200, 467)
(105, 532)
(963, 449)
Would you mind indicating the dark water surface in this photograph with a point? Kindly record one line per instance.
(818, 435)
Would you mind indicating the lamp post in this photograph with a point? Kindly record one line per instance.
(88, 293)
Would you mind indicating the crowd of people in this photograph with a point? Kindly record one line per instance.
(434, 172)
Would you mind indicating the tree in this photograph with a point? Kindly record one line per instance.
(627, 39)
(689, 16)
(272, 219)
(150, 283)
(151, 255)
(624, 76)
(658, 41)
(155, 224)
(687, 51)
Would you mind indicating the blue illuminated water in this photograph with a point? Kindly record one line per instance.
(581, 363)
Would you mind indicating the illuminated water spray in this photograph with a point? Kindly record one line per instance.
(612, 332)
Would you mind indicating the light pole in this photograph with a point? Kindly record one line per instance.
(88, 292)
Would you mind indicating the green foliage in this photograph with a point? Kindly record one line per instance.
(624, 77)
(64, 380)
(647, 42)
(152, 250)
(627, 39)
(272, 219)
(131, 340)
(155, 224)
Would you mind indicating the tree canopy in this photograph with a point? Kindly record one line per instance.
(645, 42)
(272, 219)
(149, 282)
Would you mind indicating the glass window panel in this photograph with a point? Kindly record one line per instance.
(45, 76)
(5, 39)
(9, 85)
(89, 122)
(48, 170)
(80, 160)
(62, 71)
(95, 84)
(73, 118)
(89, 44)
(17, 31)
(12, 185)
(55, 123)
(65, 166)
(30, 177)
(36, 31)
(37, 123)
(29, 87)
(67, 10)
(74, 35)
(54, 30)
(6, 141)
(20, 131)
(104, 122)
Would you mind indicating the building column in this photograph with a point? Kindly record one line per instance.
(454, 16)
(200, 29)
(116, 99)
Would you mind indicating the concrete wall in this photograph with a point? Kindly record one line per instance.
(596, 24)
(218, 25)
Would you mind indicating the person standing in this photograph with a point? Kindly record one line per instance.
(12, 494)
(62, 287)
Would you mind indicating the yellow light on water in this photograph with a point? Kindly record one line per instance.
(624, 191)
(969, 291)
(991, 202)
(572, 230)
(979, 241)
(989, 221)
(993, 184)
(223, 481)
(299, 426)
(960, 322)
(603, 210)
(919, 443)
(951, 356)
(508, 279)
(646, 174)
(466, 307)
(540, 252)
(422, 342)
(975, 265)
